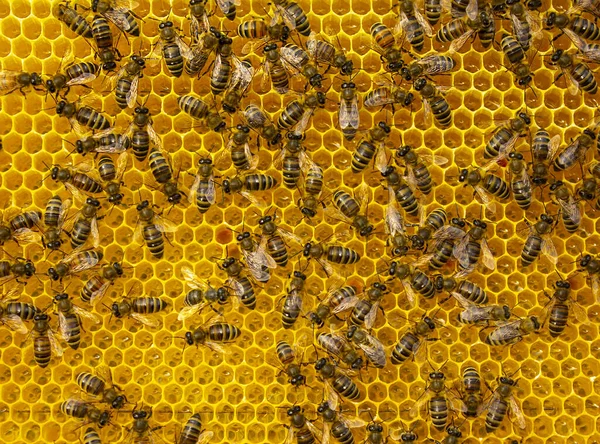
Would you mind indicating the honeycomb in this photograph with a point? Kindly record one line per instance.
(242, 396)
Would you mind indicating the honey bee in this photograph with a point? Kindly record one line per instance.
(388, 93)
(213, 335)
(434, 104)
(505, 136)
(259, 262)
(75, 262)
(485, 185)
(19, 228)
(592, 267)
(100, 386)
(80, 409)
(400, 191)
(297, 61)
(435, 220)
(198, 109)
(80, 73)
(82, 116)
(248, 183)
(350, 208)
(539, 241)
(138, 309)
(296, 114)
(337, 382)
(573, 26)
(502, 400)
(112, 187)
(446, 239)
(198, 19)
(395, 228)
(239, 282)
(513, 332)
(337, 425)
(292, 302)
(118, 12)
(349, 118)
(411, 341)
(69, 319)
(151, 228)
(274, 69)
(75, 180)
(239, 148)
(338, 299)
(330, 254)
(459, 30)
(313, 186)
(95, 287)
(385, 44)
(301, 428)
(481, 315)
(570, 211)
(404, 435)
(543, 148)
(369, 344)
(74, 21)
(203, 47)
(413, 25)
(173, 48)
(86, 225)
(221, 72)
(520, 184)
(413, 281)
(472, 247)
(372, 146)
(192, 432)
(461, 8)
(262, 32)
(258, 121)
(241, 77)
(200, 295)
(13, 312)
(438, 402)
(45, 342)
(515, 54)
(102, 34)
(202, 192)
(293, 16)
(559, 306)
(427, 66)
(286, 354)
(575, 152)
(365, 310)
(418, 174)
(337, 346)
(11, 81)
(160, 167)
(276, 236)
(577, 74)
(472, 395)
(141, 429)
(525, 24)
(140, 133)
(19, 268)
(322, 51)
(111, 143)
(127, 81)
(55, 214)
(467, 289)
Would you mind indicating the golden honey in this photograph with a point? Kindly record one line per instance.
(241, 396)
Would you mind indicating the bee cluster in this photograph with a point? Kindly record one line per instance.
(403, 273)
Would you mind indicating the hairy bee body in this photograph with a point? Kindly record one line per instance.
(74, 21)
(433, 11)
(496, 186)
(441, 254)
(91, 437)
(159, 166)
(102, 33)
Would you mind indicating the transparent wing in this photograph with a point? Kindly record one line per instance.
(459, 42)
(374, 350)
(518, 414)
(193, 194)
(290, 436)
(94, 234)
(98, 294)
(354, 422)
(410, 294)
(153, 136)
(288, 18)
(205, 437)
(596, 286)
(464, 302)
(381, 160)
(549, 249)
(255, 265)
(64, 211)
(146, 320)
(131, 96)
(190, 310)
(15, 323)
(62, 326)
(486, 199)
(192, 279)
(579, 313)
(449, 232)
(427, 114)
(164, 225)
(293, 57)
(85, 314)
(349, 115)
(318, 433)
(77, 195)
(186, 52)
(289, 236)
(416, 407)
(54, 344)
(302, 124)
(427, 29)
(487, 255)
(27, 236)
(82, 79)
(460, 251)
(394, 223)
(472, 9)
(216, 347)
(327, 267)
(371, 316)
(571, 208)
(118, 18)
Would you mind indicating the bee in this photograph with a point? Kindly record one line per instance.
(313, 186)
(75, 180)
(76, 262)
(107, 168)
(574, 26)
(172, 47)
(19, 228)
(141, 427)
(91, 436)
(503, 399)
(103, 37)
(13, 312)
(273, 67)
(404, 435)
(543, 149)
(561, 305)
(467, 289)
(197, 109)
(80, 409)
(336, 345)
(262, 32)
(413, 280)
(524, 23)
(590, 6)
(539, 241)
(446, 239)
(485, 185)
(127, 81)
(385, 44)
(459, 30)
(592, 267)
(203, 47)
(20, 268)
(140, 133)
(575, 152)
(434, 104)
(520, 184)
(395, 228)
(297, 113)
(400, 191)
(570, 211)
(241, 77)
(86, 225)
(516, 56)
(98, 387)
(292, 303)
(375, 434)
(349, 118)
(350, 208)
(472, 395)
(151, 228)
(248, 183)
(410, 343)
(74, 21)
(426, 66)
(82, 116)
(258, 121)
(200, 295)
(388, 94)
(80, 73)
(578, 74)
(259, 262)
(433, 11)
(472, 247)
(55, 215)
(293, 16)
(373, 145)
(69, 319)
(112, 187)
(121, 16)
(301, 428)
(337, 380)
(413, 25)
(202, 192)
(417, 167)
(11, 81)
(369, 344)
(287, 356)
(160, 167)
(337, 300)
(276, 236)
(192, 432)
(438, 403)
(435, 220)
(513, 332)
(505, 136)
(337, 425)
(480, 315)
(365, 310)
(221, 72)
(96, 286)
(213, 335)
(112, 143)
(139, 308)
(326, 255)
(292, 160)
(239, 282)
(45, 342)
(322, 51)
(239, 148)
(461, 8)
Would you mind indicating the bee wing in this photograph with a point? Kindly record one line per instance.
(347, 304)
(410, 294)
(507, 147)
(95, 234)
(64, 211)
(427, 114)
(256, 267)
(459, 42)
(237, 287)
(289, 236)
(85, 265)
(354, 422)
(278, 161)
(131, 96)
(518, 414)
(460, 251)
(164, 225)
(265, 80)
(332, 397)
(153, 136)
(302, 124)
(54, 344)
(186, 52)
(549, 249)
(99, 294)
(15, 323)
(190, 310)
(118, 17)
(291, 58)
(318, 433)
(62, 326)
(427, 29)
(465, 272)
(486, 199)
(192, 279)
(448, 232)
(146, 320)
(579, 313)
(27, 236)
(596, 286)
(216, 347)
(572, 84)
(464, 302)
(394, 224)
(349, 116)
(374, 351)
(381, 160)
(205, 437)
(83, 313)
(423, 260)
(77, 127)
(78, 195)
(371, 316)
(82, 79)
(137, 234)
(416, 407)
(472, 10)
(487, 256)
(288, 18)
(571, 208)
(253, 199)
(290, 436)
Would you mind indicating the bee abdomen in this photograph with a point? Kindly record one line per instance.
(342, 255)
(559, 315)
(148, 305)
(438, 410)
